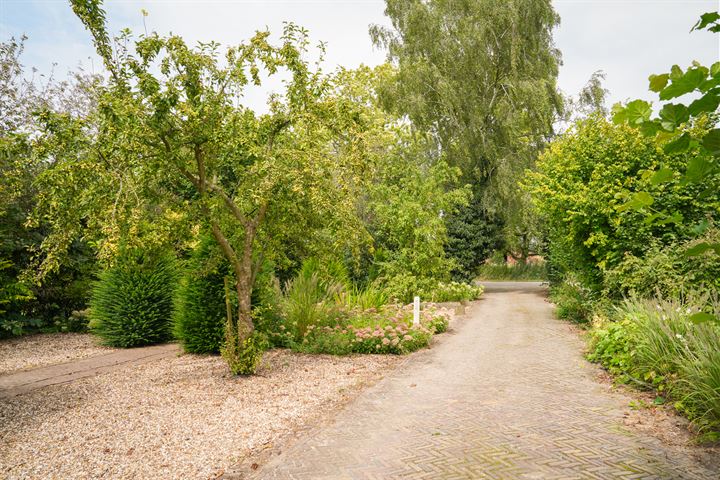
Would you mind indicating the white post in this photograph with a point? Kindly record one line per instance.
(416, 311)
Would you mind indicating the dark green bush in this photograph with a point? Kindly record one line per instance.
(200, 312)
(132, 302)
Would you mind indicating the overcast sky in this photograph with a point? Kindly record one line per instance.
(627, 39)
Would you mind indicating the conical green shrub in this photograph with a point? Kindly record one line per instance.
(132, 303)
(200, 312)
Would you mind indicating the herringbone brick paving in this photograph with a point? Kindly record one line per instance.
(507, 395)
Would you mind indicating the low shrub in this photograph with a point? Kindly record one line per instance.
(243, 358)
(132, 302)
(453, 292)
(387, 331)
(574, 302)
(654, 345)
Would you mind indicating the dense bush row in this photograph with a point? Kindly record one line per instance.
(143, 300)
(631, 209)
(655, 345)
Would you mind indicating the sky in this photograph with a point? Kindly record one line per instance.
(626, 39)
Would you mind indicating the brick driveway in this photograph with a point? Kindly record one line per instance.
(506, 395)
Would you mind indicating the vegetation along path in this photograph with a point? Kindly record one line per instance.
(507, 395)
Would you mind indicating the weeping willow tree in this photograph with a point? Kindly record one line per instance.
(481, 76)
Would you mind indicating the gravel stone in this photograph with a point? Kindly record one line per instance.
(177, 418)
(43, 349)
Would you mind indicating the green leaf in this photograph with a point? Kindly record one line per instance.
(705, 104)
(673, 115)
(698, 168)
(637, 112)
(701, 248)
(638, 201)
(711, 141)
(662, 176)
(715, 69)
(679, 144)
(649, 129)
(706, 19)
(675, 218)
(658, 82)
(702, 317)
(689, 81)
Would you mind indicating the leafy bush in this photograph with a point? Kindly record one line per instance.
(574, 302)
(389, 330)
(132, 302)
(243, 359)
(503, 271)
(405, 287)
(200, 312)
(308, 300)
(583, 183)
(453, 292)
(669, 272)
(655, 345)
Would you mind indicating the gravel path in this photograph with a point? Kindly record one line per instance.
(176, 418)
(24, 381)
(506, 395)
(44, 349)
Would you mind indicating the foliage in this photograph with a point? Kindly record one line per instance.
(173, 148)
(656, 345)
(132, 302)
(583, 181)
(574, 301)
(200, 308)
(388, 330)
(243, 356)
(681, 127)
(26, 304)
(669, 272)
(406, 205)
(453, 292)
(472, 237)
(480, 76)
(518, 271)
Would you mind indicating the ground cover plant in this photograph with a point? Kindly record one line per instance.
(655, 345)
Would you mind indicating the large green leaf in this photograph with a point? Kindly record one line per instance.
(706, 19)
(637, 112)
(689, 81)
(701, 248)
(662, 176)
(715, 69)
(705, 104)
(711, 141)
(658, 82)
(638, 201)
(679, 144)
(673, 115)
(702, 317)
(698, 169)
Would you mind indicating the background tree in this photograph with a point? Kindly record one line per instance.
(24, 302)
(481, 76)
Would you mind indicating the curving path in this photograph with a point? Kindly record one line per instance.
(505, 395)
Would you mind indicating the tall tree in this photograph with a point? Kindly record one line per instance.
(172, 145)
(481, 76)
